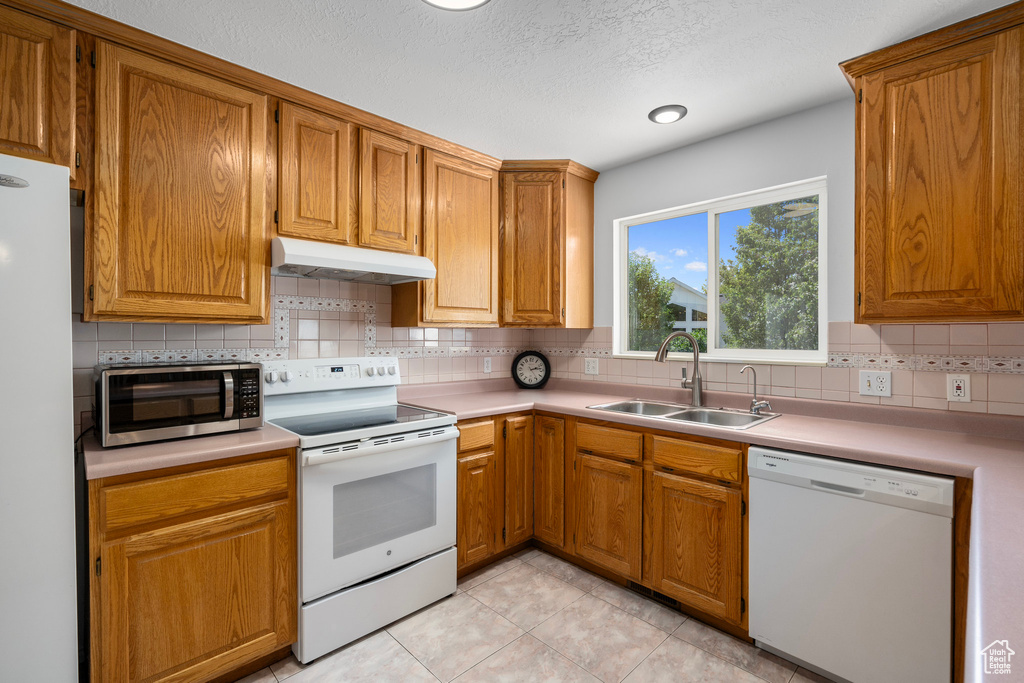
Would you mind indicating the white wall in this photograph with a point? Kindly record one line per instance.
(810, 143)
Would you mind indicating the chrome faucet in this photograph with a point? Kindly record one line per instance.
(755, 405)
(697, 383)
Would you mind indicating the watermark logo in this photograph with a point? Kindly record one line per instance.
(997, 657)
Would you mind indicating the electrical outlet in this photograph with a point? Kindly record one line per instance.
(958, 388)
(487, 364)
(590, 366)
(875, 383)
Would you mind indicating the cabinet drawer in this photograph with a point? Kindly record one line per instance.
(476, 435)
(140, 502)
(719, 462)
(615, 443)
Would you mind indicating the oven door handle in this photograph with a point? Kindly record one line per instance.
(322, 456)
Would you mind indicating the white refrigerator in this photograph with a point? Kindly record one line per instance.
(38, 622)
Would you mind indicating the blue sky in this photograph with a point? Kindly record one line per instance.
(679, 246)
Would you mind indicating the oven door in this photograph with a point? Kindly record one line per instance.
(369, 507)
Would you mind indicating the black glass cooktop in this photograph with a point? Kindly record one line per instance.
(347, 420)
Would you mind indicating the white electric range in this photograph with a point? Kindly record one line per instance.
(376, 496)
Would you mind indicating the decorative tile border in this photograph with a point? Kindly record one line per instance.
(998, 364)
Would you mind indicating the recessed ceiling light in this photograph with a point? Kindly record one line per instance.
(670, 113)
(457, 5)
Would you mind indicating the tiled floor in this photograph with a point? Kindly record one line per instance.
(533, 617)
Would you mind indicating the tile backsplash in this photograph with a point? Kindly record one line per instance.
(324, 319)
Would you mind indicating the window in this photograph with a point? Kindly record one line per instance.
(749, 269)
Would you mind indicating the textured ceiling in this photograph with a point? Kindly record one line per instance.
(553, 78)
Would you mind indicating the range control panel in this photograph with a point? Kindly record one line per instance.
(325, 374)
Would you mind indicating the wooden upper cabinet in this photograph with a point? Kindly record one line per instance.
(389, 213)
(608, 497)
(181, 195)
(547, 244)
(460, 236)
(940, 176)
(694, 536)
(319, 176)
(549, 480)
(519, 473)
(37, 89)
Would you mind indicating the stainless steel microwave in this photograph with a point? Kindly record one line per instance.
(151, 403)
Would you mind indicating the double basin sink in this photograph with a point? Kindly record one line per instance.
(716, 417)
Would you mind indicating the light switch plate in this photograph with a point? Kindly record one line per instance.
(958, 388)
(590, 366)
(875, 383)
(487, 364)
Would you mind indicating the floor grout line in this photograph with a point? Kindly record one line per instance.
(402, 645)
(667, 636)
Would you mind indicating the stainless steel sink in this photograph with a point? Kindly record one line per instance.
(727, 418)
(638, 407)
(722, 417)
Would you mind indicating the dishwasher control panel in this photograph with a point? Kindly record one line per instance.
(851, 479)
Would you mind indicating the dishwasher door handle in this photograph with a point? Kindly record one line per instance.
(836, 488)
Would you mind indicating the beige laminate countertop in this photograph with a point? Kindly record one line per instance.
(108, 462)
(995, 463)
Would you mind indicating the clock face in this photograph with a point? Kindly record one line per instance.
(530, 370)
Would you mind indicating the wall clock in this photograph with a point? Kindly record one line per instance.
(531, 370)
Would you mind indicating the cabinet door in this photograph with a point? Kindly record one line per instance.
(37, 89)
(549, 480)
(477, 530)
(941, 234)
(389, 215)
(695, 540)
(533, 258)
(195, 600)
(319, 176)
(181, 194)
(608, 503)
(518, 479)
(460, 235)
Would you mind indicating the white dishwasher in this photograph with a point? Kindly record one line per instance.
(851, 567)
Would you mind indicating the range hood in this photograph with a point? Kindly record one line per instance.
(303, 258)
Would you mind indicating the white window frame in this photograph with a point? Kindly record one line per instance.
(714, 208)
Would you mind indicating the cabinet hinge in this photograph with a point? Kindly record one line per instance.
(743, 605)
(275, 215)
(78, 159)
(743, 508)
(563, 312)
(563, 183)
(99, 567)
(90, 292)
(504, 432)
(415, 239)
(92, 59)
(574, 539)
(277, 116)
(860, 95)
(417, 158)
(858, 298)
(503, 535)
(78, 53)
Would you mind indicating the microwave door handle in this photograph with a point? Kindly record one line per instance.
(229, 395)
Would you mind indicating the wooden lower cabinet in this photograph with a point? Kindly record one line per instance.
(518, 447)
(194, 571)
(549, 480)
(477, 485)
(608, 505)
(693, 533)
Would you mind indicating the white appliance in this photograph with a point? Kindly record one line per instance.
(303, 258)
(376, 497)
(38, 627)
(851, 567)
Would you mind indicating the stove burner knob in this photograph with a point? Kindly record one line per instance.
(271, 376)
(380, 371)
(369, 372)
(391, 370)
(287, 376)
